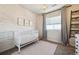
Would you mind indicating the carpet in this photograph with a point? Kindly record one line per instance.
(38, 48)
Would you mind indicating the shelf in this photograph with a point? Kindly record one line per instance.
(75, 11)
(75, 17)
(75, 23)
(73, 36)
(75, 29)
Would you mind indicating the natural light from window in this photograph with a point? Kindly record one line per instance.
(53, 23)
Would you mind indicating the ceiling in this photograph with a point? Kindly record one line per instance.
(42, 8)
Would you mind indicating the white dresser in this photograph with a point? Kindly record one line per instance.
(77, 44)
(6, 41)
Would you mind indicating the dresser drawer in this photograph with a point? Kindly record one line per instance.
(6, 44)
(77, 40)
(76, 45)
(77, 51)
(6, 41)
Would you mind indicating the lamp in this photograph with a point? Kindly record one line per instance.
(45, 6)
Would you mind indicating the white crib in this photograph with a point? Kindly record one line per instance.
(24, 37)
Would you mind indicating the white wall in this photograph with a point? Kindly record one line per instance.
(10, 13)
(39, 25)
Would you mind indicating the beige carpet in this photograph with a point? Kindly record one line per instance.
(38, 48)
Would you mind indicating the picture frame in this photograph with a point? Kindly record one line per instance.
(20, 21)
(23, 22)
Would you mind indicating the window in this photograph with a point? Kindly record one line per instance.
(54, 26)
(53, 23)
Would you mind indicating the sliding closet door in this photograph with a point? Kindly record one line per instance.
(53, 26)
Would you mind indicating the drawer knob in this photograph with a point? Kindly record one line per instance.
(76, 45)
(75, 48)
(76, 52)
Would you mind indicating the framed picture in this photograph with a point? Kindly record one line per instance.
(23, 22)
(26, 23)
(20, 21)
